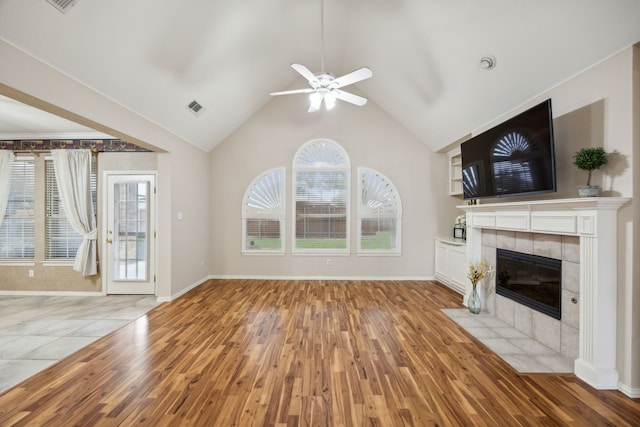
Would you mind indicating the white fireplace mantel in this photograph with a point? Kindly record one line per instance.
(594, 220)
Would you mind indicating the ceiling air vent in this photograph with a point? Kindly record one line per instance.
(62, 5)
(195, 107)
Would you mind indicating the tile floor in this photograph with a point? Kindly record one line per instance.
(520, 351)
(37, 331)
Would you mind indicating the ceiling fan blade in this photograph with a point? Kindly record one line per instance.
(353, 77)
(350, 97)
(304, 72)
(290, 92)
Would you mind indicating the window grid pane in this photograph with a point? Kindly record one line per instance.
(17, 230)
(131, 231)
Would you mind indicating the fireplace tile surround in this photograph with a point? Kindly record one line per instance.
(583, 234)
(559, 335)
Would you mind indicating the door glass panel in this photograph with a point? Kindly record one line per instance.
(131, 239)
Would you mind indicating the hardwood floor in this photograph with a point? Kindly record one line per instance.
(288, 353)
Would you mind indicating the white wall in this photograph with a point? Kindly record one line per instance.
(371, 139)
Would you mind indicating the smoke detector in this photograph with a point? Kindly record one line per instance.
(62, 5)
(487, 62)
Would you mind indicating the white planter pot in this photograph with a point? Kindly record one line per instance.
(588, 190)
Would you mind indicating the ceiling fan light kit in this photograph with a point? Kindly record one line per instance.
(324, 86)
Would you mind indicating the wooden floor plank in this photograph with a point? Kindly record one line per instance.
(321, 353)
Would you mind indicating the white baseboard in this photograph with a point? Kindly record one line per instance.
(183, 291)
(246, 277)
(632, 392)
(386, 278)
(201, 281)
(54, 293)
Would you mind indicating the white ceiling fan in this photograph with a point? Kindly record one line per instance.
(324, 86)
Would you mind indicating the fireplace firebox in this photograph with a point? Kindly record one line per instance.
(531, 280)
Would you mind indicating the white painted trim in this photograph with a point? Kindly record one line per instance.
(54, 293)
(242, 277)
(632, 392)
(183, 291)
(248, 277)
(594, 220)
(153, 223)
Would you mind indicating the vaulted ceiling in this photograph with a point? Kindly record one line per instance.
(156, 56)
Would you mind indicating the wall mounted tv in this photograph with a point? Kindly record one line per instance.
(514, 158)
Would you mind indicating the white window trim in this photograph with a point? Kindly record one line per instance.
(320, 252)
(17, 263)
(61, 263)
(278, 215)
(21, 262)
(378, 252)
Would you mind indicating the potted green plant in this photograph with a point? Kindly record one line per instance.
(589, 159)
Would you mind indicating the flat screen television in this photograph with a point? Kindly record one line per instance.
(513, 158)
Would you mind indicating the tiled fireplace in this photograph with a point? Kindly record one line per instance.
(559, 335)
(582, 234)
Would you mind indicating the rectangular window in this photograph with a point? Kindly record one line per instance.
(263, 234)
(321, 209)
(61, 240)
(17, 230)
(378, 234)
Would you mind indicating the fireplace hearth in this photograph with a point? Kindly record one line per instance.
(531, 280)
(590, 320)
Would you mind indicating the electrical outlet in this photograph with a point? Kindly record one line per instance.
(31, 273)
(329, 262)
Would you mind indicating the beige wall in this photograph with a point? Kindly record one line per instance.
(182, 169)
(595, 108)
(190, 196)
(371, 139)
(62, 278)
(631, 295)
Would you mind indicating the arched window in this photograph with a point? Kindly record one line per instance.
(263, 214)
(321, 171)
(379, 214)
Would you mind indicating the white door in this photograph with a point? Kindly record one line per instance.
(130, 234)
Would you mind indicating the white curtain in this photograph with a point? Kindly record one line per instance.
(73, 175)
(6, 159)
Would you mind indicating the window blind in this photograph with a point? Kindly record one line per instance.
(61, 240)
(321, 197)
(379, 213)
(17, 230)
(263, 214)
